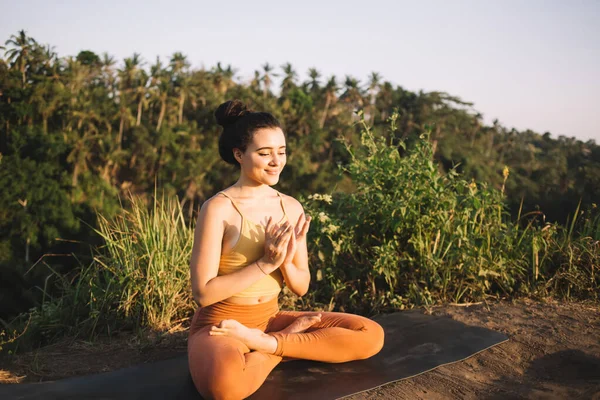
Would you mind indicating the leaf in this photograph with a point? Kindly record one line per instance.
(321, 256)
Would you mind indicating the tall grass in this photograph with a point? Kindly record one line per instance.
(146, 261)
(138, 280)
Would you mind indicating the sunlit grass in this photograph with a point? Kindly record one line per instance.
(146, 261)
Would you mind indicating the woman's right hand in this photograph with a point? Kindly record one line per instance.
(277, 238)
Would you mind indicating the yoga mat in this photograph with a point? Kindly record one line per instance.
(414, 344)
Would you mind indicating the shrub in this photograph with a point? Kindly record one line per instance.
(412, 235)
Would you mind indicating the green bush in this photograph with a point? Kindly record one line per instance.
(412, 235)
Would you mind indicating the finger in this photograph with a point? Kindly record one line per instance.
(306, 225)
(281, 239)
(285, 242)
(282, 234)
(291, 247)
(289, 230)
(292, 235)
(286, 238)
(274, 228)
(284, 228)
(268, 227)
(275, 235)
(299, 224)
(281, 228)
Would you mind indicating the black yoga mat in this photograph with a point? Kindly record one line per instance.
(414, 343)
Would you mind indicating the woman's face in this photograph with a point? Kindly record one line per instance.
(264, 157)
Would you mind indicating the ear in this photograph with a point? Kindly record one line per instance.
(237, 153)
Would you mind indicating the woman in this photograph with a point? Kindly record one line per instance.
(249, 240)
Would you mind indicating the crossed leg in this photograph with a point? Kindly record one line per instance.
(335, 338)
(225, 364)
(223, 367)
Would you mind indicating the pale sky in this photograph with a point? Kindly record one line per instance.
(532, 64)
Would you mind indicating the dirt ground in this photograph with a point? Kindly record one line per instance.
(553, 352)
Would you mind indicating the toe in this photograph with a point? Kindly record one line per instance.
(224, 323)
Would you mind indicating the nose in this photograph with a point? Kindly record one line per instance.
(276, 160)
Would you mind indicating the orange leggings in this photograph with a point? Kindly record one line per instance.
(224, 368)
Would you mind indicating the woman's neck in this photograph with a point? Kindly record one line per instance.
(245, 188)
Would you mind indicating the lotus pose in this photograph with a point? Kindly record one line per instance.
(250, 240)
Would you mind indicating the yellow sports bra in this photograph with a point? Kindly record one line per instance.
(249, 248)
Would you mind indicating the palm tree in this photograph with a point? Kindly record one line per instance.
(136, 81)
(331, 89)
(85, 121)
(289, 79)
(255, 82)
(314, 83)
(223, 77)
(77, 76)
(181, 80)
(159, 89)
(47, 92)
(353, 94)
(384, 100)
(129, 77)
(178, 63)
(47, 96)
(140, 95)
(20, 54)
(267, 81)
(46, 55)
(108, 75)
(374, 85)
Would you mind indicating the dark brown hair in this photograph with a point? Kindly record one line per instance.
(239, 125)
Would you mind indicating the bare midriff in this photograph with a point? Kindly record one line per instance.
(251, 300)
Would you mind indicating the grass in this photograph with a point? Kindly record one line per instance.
(138, 280)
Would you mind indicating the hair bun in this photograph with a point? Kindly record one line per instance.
(230, 112)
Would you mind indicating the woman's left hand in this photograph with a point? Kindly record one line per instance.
(299, 236)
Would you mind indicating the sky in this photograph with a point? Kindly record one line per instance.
(531, 64)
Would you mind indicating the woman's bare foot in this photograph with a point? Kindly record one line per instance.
(255, 339)
(301, 324)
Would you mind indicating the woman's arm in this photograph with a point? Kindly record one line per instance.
(296, 272)
(207, 287)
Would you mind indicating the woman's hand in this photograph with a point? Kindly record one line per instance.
(302, 227)
(299, 235)
(277, 238)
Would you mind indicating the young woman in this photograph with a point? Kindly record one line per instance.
(250, 240)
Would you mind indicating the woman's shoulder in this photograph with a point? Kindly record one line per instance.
(291, 204)
(215, 204)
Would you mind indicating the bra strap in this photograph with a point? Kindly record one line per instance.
(233, 202)
(282, 206)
